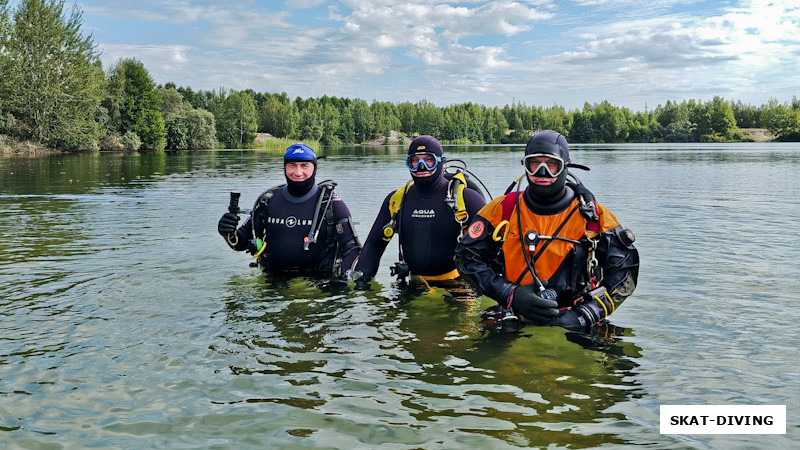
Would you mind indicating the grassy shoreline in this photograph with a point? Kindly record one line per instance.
(11, 146)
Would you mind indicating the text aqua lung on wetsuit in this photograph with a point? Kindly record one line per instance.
(290, 221)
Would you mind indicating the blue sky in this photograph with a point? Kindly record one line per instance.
(632, 53)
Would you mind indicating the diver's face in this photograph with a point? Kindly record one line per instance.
(422, 164)
(542, 170)
(299, 171)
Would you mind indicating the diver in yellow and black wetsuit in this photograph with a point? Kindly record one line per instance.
(428, 226)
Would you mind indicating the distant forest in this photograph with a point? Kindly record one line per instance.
(55, 92)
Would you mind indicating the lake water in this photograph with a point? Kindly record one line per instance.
(128, 323)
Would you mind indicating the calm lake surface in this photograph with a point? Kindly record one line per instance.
(128, 323)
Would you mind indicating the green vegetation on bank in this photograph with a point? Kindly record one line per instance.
(54, 93)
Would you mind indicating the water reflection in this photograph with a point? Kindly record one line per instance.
(129, 323)
(410, 365)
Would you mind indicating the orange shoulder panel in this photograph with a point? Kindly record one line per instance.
(493, 211)
(607, 219)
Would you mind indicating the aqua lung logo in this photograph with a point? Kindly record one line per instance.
(423, 213)
(299, 150)
(290, 221)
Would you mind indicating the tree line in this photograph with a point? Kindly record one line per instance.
(55, 91)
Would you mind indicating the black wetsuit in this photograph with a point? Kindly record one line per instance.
(285, 224)
(427, 228)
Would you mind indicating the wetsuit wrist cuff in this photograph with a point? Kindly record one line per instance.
(506, 294)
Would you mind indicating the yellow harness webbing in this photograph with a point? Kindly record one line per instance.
(452, 275)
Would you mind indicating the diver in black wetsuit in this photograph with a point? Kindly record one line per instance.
(301, 227)
(426, 224)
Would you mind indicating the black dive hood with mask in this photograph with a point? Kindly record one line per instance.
(428, 144)
(548, 142)
(300, 153)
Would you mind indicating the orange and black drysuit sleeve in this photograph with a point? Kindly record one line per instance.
(479, 260)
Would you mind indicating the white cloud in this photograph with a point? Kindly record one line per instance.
(540, 51)
(168, 11)
(724, 54)
(167, 59)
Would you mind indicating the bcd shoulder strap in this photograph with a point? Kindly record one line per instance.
(260, 210)
(327, 187)
(395, 204)
(454, 199)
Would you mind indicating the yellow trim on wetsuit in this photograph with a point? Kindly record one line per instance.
(452, 275)
(461, 207)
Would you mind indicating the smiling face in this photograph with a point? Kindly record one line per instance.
(299, 171)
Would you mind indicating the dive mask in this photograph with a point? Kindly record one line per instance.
(425, 161)
(544, 165)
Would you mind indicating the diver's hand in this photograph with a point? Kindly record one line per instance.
(526, 302)
(227, 224)
(581, 190)
(362, 283)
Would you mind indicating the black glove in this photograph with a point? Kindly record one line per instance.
(588, 209)
(227, 224)
(581, 190)
(527, 303)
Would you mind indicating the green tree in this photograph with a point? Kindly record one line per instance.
(330, 124)
(495, 127)
(236, 120)
(782, 121)
(609, 123)
(346, 131)
(191, 97)
(671, 112)
(557, 119)
(5, 26)
(201, 129)
(429, 119)
(177, 129)
(714, 120)
(150, 128)
(406, 112)
(642, 128)
(134, 103)
(362, 121)
(582, 126)
(51, 78)
(311, 123)
(747, 116)
(172, 102)
(186, 127)
(277, 116)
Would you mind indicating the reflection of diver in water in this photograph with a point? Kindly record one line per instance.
(537, 387)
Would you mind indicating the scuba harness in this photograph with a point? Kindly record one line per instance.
(458, 180)
(502, 317)
(322, 213)
(528, 240)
